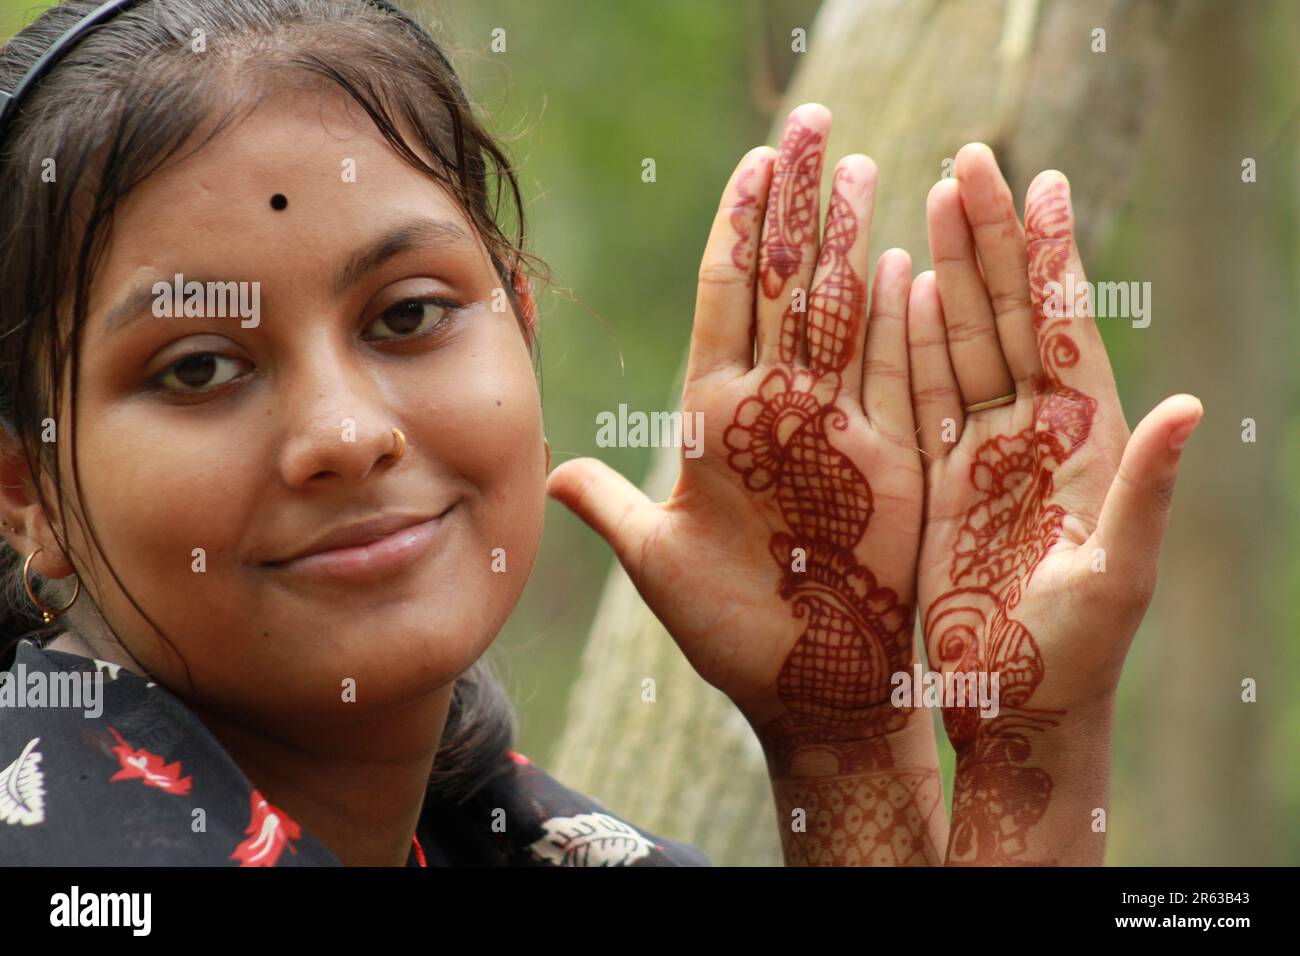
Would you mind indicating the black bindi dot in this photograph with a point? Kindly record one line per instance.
(278, 201)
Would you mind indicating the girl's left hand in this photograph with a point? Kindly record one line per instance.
(1044, 514)
(783, 563)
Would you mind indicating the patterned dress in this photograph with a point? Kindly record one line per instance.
(127, 775)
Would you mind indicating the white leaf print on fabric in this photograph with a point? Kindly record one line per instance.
(22, 788)
(112, 669)
(590, 839)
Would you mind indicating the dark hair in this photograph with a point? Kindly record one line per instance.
(116, 107)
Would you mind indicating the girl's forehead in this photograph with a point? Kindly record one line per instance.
(316, 142)
(293, 164)
(290, 191)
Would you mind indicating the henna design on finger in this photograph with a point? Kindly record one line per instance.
(791, 226)
(838, 302)
(1047, 221)
(792, 206)
(744, 220)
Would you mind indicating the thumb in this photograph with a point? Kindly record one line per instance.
(1136, 510)
(612, 506)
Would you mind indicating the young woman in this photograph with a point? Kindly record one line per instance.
(283, 536)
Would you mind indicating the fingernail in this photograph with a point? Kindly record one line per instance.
(1178, 437)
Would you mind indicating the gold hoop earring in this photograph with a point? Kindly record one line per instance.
(401, 445)
(47, 614)
(547, 442)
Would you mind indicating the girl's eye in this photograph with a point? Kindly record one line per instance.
(406, 319)
(196, 373)
(202, 371)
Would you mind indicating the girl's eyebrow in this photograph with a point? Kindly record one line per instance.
(412, 234)
(419, 233)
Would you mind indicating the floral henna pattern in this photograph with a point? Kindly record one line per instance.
(1047, 219)
(792, 222)
(835, 682)
(996, 799)
(1010, 528)
(839, 301)
(792, 206)
(744, 218)
(999, 796)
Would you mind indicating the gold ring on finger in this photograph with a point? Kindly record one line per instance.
(991, 403)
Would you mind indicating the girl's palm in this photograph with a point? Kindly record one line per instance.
(783, 561)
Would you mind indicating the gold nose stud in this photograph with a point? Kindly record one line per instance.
(401, 444)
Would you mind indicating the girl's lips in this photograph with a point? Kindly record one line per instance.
(379, 559)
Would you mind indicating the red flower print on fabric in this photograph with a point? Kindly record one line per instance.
(269, 831)
(148, 768)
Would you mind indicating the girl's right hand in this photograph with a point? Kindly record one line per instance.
(783, 563)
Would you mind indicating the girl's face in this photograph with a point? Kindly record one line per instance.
(213, 448)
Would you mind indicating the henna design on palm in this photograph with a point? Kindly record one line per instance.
(835, 680)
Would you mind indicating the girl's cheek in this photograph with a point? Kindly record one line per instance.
(506, 460)
(494, 402)
(171, 551)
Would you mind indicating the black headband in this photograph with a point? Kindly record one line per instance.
(11, 101)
